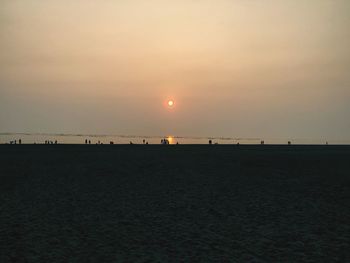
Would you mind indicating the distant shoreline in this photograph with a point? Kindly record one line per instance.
(39, 138)
(255, 146)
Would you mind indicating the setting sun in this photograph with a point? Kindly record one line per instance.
(170, 103)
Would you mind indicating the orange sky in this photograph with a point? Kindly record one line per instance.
(234, 68)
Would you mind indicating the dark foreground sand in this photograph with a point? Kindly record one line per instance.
(147, 203)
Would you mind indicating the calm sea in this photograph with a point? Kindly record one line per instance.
(40, 138)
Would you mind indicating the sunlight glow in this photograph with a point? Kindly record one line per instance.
(170, 103)
(171, 139)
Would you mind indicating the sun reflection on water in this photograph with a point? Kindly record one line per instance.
(171, 139)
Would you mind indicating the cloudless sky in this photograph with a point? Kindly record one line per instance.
(234, 68)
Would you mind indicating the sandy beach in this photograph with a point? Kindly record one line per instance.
(174, 203)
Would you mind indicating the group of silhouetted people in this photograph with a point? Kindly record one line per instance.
(97, 143)
(164, 141)
(15, 142)
(112, 142)
(51, 142)
(262, 142)
(46, 142)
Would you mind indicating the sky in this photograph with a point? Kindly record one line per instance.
(244, 68)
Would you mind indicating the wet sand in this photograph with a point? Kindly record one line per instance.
(176, 203)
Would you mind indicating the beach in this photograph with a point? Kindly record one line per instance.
(174, 203)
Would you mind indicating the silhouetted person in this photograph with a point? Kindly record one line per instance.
(86, 141)
(19, 141)
(89, 142)
(210, 142)
(262, 142)
(289, 143)
(111, 142)
(144, 141)
(56, 142)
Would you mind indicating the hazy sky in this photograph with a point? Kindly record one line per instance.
(246, 68)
